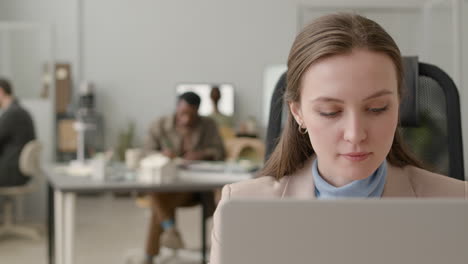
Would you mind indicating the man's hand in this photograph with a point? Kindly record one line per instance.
(169, 153)
(194, 155)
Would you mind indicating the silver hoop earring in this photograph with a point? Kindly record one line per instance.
(302, 130)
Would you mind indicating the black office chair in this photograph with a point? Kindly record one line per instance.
(429, 116)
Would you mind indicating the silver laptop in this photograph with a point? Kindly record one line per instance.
(417, 231)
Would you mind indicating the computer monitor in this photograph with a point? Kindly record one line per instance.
(226, 101)
(344, 231)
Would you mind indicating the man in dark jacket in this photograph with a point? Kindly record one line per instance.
(16, 129)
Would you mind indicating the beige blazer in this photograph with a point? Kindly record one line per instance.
(408, 182)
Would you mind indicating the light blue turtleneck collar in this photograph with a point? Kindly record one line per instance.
(371, 186)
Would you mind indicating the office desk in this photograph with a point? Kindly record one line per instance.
(62, 190)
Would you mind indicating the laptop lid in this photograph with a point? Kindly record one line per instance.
(390, 231)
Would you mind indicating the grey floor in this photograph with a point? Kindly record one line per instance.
(109, 230)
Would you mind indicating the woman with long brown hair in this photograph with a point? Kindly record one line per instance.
(344, 86)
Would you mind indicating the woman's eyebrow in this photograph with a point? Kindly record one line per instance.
(331, 99)
(378, 94)
(327, 99)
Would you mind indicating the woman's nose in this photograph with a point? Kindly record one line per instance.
(355, 129)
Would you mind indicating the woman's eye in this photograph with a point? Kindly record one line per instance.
(377, 110)
(329, 114)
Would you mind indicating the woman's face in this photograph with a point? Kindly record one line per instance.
(349, 105)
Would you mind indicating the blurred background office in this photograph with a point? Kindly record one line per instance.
(116, 65)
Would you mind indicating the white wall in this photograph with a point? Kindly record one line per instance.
(25, 50)
(62, 14)
(149, 47)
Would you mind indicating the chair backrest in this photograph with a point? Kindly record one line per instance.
(29, 161)
(436, 137)
(429, 116)
(275, 119)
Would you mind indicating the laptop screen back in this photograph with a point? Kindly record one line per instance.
(344, 231)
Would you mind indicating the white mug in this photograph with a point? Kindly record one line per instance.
(132, 158)
(98, 167)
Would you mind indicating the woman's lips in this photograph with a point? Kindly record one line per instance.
(356, 156)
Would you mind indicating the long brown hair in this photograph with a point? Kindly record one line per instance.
(328, 36)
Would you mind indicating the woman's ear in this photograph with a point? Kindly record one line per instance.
(295, 109)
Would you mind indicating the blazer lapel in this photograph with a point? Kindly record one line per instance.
(300, 184)
(398, 184)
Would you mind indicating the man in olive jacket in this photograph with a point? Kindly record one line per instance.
(187, 135)
(16, 129)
